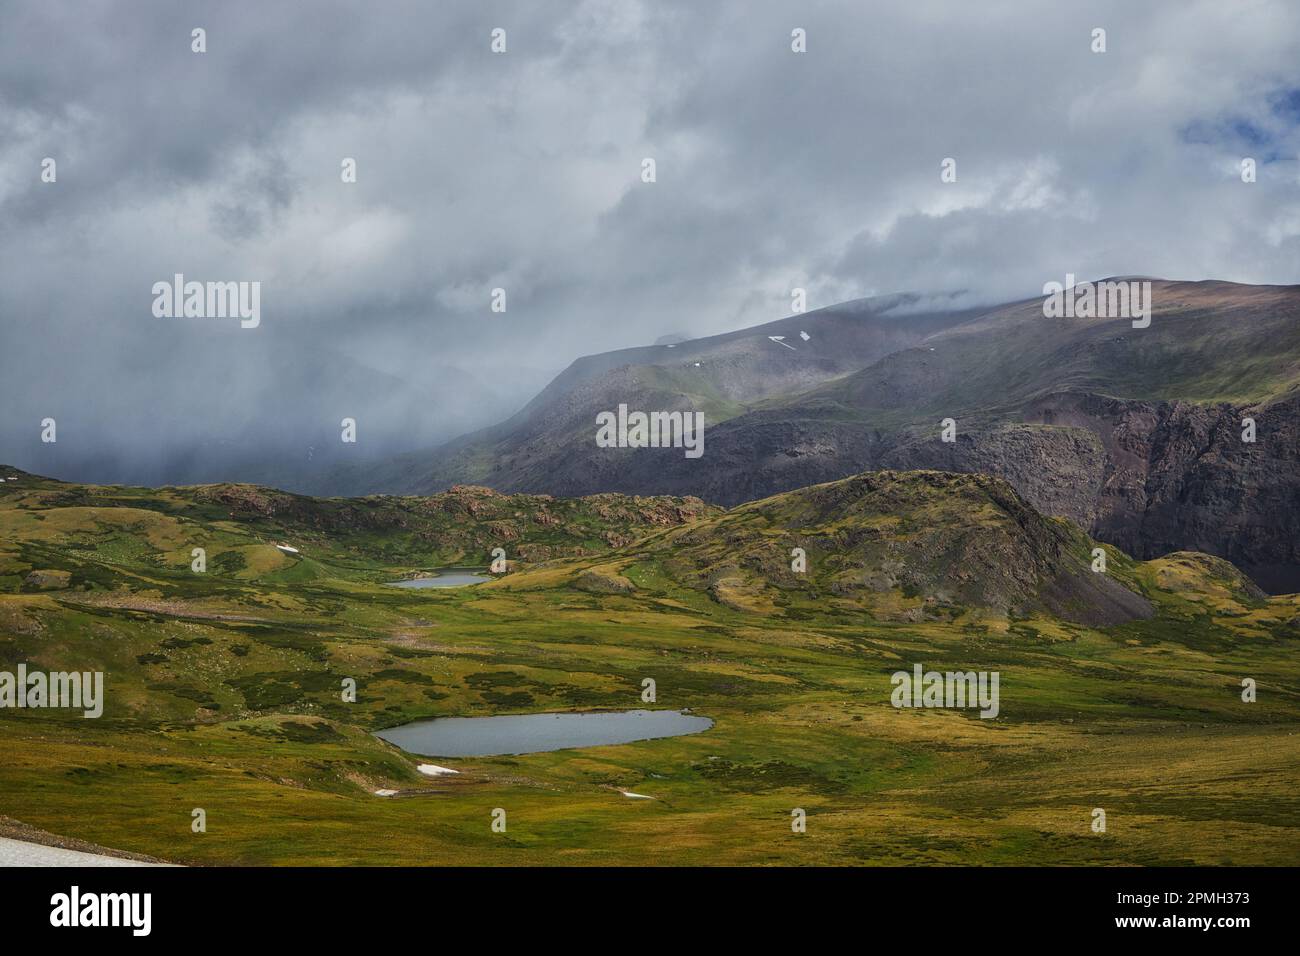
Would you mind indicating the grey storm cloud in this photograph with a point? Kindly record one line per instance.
(522, 171)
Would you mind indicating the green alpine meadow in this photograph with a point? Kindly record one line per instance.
(1148, 713)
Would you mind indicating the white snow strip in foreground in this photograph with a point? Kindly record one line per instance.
(22, 853)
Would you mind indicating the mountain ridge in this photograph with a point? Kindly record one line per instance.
(905, 546)
(1091, 419)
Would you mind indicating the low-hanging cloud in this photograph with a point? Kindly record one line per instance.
(521, 171)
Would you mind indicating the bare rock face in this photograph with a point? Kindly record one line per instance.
(1061, 471)
(1178, 476)
(1148, 477)
(48, 580)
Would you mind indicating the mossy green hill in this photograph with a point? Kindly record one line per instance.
(908, 546)
(112, 534)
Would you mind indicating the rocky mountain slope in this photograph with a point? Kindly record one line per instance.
(1134, 434)
(723, 375)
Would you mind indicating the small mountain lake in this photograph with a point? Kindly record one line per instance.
(533, 733)
(443, 578)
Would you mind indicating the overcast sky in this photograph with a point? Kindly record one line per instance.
(522, 170)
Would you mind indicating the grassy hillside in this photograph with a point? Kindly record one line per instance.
(108, 534)
(224, 688)
(1208, 342)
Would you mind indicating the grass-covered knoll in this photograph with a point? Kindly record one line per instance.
(906, 546)
(224, 692)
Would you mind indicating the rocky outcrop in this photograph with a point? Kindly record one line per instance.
(902, 545)
(1150, 477)
(47, 580)
(1178, 476)
(603, 581)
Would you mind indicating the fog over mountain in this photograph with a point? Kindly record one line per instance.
(522, 171)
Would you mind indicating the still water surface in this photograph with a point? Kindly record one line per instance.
(451, 578)
(533, 733)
